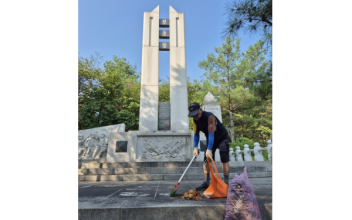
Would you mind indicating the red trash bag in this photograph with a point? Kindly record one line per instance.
(241, 202)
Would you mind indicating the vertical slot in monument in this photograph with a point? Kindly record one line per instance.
(177, 20)
(150, 30)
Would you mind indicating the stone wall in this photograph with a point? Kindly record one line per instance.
(93, 143)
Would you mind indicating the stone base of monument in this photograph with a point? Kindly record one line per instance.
(152, 146)
(99, 160)
(153, 171)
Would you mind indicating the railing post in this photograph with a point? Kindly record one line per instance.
(238, 154)
(232, 155)
(247, 153)
(258, 154)
(269, 147)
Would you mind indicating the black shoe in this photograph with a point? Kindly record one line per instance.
(204, 186)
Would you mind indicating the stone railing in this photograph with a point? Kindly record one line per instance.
(245, 154)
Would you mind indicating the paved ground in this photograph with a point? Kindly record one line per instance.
(151, 200)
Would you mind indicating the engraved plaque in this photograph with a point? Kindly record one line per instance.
(164, 34)
(203, 146)
(121, 146)
(164, 22)
(163, 147)
(164, 46)
(164, 116)
(212, 109)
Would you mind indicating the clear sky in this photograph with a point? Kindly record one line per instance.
(115, 27)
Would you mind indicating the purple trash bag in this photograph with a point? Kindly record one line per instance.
(241, 202)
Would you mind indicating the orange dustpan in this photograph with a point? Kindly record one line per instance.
(217, 188)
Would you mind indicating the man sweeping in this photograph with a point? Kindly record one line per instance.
(217, 138)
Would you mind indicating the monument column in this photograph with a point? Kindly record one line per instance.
(178, 73)
(148, 113)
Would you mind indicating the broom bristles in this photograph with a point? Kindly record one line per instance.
(173, 192)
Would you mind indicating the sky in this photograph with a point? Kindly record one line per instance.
(116, 28)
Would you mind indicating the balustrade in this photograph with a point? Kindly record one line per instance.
(238, 155)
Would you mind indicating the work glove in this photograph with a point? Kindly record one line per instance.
(195, 151)
(208, 154)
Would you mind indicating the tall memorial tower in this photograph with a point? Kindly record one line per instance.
(148, 112)
(178, 73)
(153, 29)
(162, 135)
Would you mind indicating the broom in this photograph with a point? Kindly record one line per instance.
(173, 192)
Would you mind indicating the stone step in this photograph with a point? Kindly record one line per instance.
(151, 210)
(161, 170)
(155, 177)
(169, 164)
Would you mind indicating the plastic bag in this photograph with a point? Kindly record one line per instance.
(241, 202)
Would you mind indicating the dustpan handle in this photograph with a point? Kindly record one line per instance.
(216, 169)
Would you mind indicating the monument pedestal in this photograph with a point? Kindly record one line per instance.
(152, 146)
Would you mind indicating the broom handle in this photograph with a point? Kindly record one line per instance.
(187, 168)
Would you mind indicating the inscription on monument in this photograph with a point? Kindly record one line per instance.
(121, 147)
(164, 46)
(164, 34)
(164, 116)
(164, 22)
(211, 109)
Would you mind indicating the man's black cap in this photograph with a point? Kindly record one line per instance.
(193, 109)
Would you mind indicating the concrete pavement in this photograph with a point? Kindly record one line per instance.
(150, 200)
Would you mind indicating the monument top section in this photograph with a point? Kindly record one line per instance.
(172, 28)
(209, 99)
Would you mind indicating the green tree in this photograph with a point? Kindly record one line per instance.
(243, 82)
(164, 90)
(250, 16)
(112, 97)
(88, 71)
(221, 70)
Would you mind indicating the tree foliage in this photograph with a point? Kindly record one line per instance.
(234, 73)
(249, 16)
(111, 96)
(243, 80)
(88, 71)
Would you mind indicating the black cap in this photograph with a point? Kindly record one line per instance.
(193, 109)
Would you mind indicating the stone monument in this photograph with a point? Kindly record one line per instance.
(161, 137)
(209, 105)
(164, 116)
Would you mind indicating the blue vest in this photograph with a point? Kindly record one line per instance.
(220, 133)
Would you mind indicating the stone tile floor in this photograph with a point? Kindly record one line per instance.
(155, 190)
(139, 195)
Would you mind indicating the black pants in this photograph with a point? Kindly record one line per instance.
(224, 149)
